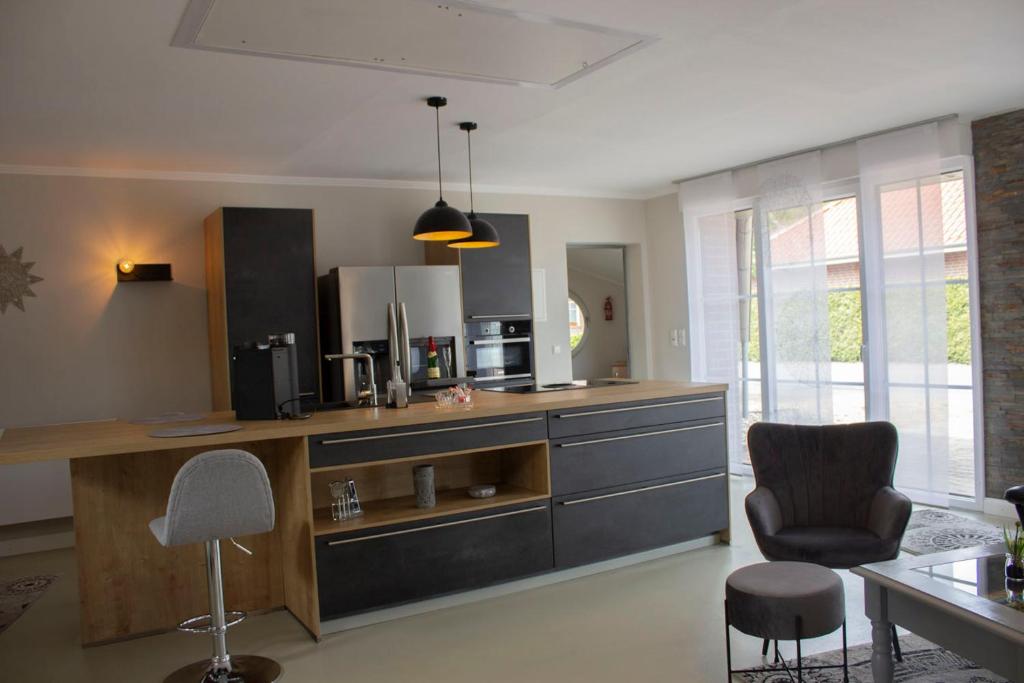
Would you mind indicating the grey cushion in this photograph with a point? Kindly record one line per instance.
(765, 599)
(824, 494)
(216, 494)
(838, 547)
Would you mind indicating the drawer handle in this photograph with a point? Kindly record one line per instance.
(331, 442)
(647, 407)
(537, 508)
(641, 490)
(503, 340)
(500, 315)
(639, 436)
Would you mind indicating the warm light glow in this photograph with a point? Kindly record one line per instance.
(442, 236)
(125, 266)
(461, 244)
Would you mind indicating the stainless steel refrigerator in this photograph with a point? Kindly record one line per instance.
(389, 312)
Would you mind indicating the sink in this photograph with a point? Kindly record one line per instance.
(340, 405)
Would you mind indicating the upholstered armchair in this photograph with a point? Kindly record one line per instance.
(825, 494)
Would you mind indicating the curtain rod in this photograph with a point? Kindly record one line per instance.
(818, 148)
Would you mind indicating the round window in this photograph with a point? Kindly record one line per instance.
(578, 317)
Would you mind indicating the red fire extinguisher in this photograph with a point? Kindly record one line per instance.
(608, 312)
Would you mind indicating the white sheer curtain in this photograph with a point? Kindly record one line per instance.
(709, 224)
(905, 301)
(796, 343)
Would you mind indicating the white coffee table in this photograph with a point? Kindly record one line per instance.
(956, 599)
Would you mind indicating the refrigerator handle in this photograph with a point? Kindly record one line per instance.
(394, 356)
(406, 352)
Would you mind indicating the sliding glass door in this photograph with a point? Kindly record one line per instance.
(811, 347)
(833, 332)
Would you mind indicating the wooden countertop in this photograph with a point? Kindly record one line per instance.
(90, 439)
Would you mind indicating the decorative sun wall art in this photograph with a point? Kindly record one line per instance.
(15, 280)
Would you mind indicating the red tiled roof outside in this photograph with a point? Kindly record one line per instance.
(847, 275)
(835, 234)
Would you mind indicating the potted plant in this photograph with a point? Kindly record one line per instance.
(1014, 554)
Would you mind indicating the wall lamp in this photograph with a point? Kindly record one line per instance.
(129, 271)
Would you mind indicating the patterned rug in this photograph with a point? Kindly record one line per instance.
(933, 531)
(922, 662)
(18, 595)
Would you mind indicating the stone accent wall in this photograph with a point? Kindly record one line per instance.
(999, 184)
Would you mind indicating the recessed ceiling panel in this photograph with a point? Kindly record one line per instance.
(455, 39)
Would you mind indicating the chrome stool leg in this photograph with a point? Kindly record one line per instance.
(222, 667)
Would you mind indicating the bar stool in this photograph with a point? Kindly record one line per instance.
(215, 495)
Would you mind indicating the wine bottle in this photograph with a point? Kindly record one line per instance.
(433, 371)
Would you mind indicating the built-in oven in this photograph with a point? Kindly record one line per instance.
(499, 351)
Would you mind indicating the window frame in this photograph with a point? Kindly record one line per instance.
(585, 312)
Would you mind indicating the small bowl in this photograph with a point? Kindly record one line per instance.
(482, 491)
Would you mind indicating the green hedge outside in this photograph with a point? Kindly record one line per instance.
(844, 318)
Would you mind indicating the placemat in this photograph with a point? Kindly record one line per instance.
(194, 430)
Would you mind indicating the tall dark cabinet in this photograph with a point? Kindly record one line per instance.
(496, 282)
(261, 280)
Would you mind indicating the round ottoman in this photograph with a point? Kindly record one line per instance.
(785, 601)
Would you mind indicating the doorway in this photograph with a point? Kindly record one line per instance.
(598, 329)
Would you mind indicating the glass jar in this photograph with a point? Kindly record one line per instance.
(1014, 568)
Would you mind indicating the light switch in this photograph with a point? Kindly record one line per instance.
(556, 349)
(673, 337)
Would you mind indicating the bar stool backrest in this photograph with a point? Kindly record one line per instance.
(219, 494)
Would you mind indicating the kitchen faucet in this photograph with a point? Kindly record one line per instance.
(366, 358)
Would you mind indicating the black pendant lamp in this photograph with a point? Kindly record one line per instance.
(484, 234)
(442, 222)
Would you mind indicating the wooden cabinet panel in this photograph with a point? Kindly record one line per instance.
(613, 522)
(632, 415)
(585, 463)
(391, 565)
(496, 282)
(385, 444)
(261, 280)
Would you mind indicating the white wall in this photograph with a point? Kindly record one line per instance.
(606, 341)
(667, 275)
(86, 348)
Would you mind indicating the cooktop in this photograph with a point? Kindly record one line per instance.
(558, 386)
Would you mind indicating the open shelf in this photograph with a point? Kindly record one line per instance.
(520, 473)
(398, 510)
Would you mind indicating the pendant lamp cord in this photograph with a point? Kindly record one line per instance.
(469, 150)
(437, 121)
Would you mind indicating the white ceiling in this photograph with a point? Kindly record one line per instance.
(460, 39)
(96, 84)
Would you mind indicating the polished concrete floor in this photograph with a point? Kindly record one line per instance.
(657, 621)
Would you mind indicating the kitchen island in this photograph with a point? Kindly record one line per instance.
(581, 475)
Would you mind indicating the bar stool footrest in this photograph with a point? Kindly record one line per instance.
(204, 622)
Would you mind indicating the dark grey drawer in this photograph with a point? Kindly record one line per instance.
(584, 463)
(616, 416)
(439, 437)
(396, 564)
(599, 526)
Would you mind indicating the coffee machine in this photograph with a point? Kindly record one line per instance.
(266, 379)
